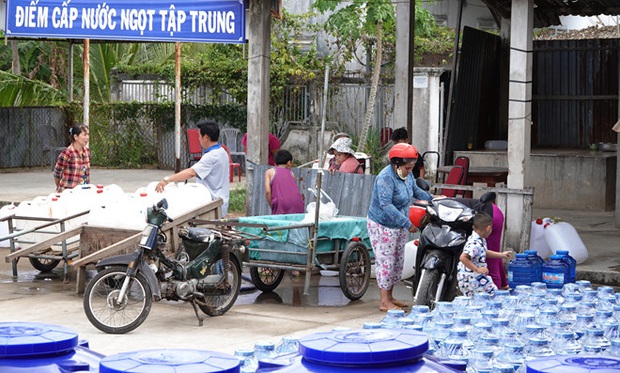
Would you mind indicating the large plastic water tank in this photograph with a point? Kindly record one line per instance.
(389, 351)
(5, 211)
(537, 238)
(170, 360)
(43, 348)
(563, 236)
(574, 364)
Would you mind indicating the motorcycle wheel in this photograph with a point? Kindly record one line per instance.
(218, 304)
(102, 309)
(266, 279)
(44, 265)
(428, 288)
(354, 271)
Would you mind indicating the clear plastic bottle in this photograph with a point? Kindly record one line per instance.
(288, 345)
(249, 364)
(391, 318)
(265, 350)
(501, 327)
(587, 307)
(441, 331)
(568, 312)
(565, 343)
(416, 313)
(556, 294)
(605, 302)
(512, 354)
(616, 313)
(614, 348)
(404, 322)
(595, 337)
(522, 319)
(460, 303)
(372, 325)
(489, 342)
(537, 348)
(535, 331)
(539, 288)
(589, 294)
(583, 323)
(481, 299)
(480, 361)
(582, 285)
(509, 307)
(459, 335)
(462, 322)
(546, 317)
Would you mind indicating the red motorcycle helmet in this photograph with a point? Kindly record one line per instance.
(417, 216)
(402, 153)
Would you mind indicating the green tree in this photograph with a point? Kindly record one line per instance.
(366, 24)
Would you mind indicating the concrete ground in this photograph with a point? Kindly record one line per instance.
(38, 297)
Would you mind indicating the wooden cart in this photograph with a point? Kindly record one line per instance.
(84, 244)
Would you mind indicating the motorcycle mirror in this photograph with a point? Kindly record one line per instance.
(162, 204)
(422, 184)
(488, 197)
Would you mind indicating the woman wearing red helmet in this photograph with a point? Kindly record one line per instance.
(388, 223)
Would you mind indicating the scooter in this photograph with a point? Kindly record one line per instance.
(206, 273)
(446, 224)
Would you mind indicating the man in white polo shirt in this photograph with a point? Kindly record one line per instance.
(212, 171)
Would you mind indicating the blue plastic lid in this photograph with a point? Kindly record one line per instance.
(365, 346)
(19, 339)
(574, 364)
(556, 257)
(169, 360)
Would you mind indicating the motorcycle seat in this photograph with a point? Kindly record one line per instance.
(197, 234)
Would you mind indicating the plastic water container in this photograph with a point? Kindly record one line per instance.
(574, 364)
(170, 360)
(537, 262)
(411, 251)
(555, 272)
(44, 348)
(563, 236)
(5, 211)
(537, 238)
(521, 271)
(572, 263)
(384, 350)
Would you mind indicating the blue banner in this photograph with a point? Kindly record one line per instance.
(215, 21)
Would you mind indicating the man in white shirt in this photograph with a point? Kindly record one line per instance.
(213, 169)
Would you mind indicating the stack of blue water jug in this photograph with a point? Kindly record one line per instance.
(528, 267)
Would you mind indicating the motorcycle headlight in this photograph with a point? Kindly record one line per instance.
(449, 214)
(149, 234)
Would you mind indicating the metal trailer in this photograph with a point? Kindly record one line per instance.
(279, 243)
(83, 245)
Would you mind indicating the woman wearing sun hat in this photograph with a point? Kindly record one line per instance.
(345, 156)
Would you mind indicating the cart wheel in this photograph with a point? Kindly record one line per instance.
(266, 279)
(355, 270)
(44, 265)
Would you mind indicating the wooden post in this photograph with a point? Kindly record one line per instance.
(259, 34)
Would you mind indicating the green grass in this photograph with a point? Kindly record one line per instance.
(236, 202)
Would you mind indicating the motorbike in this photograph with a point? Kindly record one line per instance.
(445, 227)
(206, 272)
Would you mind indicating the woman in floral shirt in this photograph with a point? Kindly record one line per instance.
(73, 164)
(388, 222)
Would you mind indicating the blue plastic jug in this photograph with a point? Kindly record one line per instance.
(572, 263)
(537, 262)
(521, 271)
(43, 348)
(555, 272)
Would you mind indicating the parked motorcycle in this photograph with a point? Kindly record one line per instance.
(206, 272)
(446, 223)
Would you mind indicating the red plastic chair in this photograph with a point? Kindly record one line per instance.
(194, 149)
(385, 135)
(233, 166)
(455, 177)
(463, 162)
